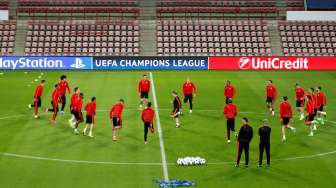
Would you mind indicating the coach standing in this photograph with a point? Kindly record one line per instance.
(244, 138)
(264, 133)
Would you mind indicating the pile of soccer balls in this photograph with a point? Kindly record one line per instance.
(190, 161)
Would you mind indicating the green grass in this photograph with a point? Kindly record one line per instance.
(203, 133)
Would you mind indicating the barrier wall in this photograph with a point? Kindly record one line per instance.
(167, 63)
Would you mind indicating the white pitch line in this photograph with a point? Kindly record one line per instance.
(149, 163)
(157, 117)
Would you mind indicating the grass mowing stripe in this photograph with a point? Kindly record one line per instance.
(157, 117)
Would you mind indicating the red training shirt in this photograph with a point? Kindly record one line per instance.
(63, 84)
(78, 105)
(230, 111)
(286, 110)
(321, 99)
(38, 91)
(189, 88)
(148, 115)
(300, 94)
(229, 91)
(310, 107)
(90, 108)
(271, 91)
(144, 85)
(73, 100)
(116, 110)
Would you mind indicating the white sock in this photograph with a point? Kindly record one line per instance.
(85, 129)
(177, 121)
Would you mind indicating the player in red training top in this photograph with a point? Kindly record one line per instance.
(229, 92)
(77, 111)
(73, 100)
(54, 103)
(143, 90)
(90, 109)
(147, 117)
(271, 95)
(314, 102)
(64, 86)
(115, 117)
(286, 113)
(37, 99)
(321, 105)
(189, 91)
(300, 95)
(310, 110)
(230, 111)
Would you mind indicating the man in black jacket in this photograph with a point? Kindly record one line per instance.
(244, 138)
(264, 133)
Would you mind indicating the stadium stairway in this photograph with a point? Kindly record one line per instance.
(20, 38)
(274, 37)
(147, 22)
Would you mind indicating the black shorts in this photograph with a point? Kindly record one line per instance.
(72, 111)
(38, 102)
(285, 121)
(230, 124)
(227, 100)
(89, 119)
(321, 108)
(177, 114)
(270, 99)
(315, 112)
(300, 103)
(144, 95)
(310, 117)
(188, 97)
(78, 115)
(116, 122)
(63, 99)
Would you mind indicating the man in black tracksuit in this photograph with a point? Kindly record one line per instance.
(244, 138)
(264, 133)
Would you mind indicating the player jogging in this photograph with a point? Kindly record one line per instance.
(37, 99)
(310, 109)
(314, 101)
(143, 90)
(115, 117)
(63, 84)
(90, 109)
(230, 111)
(300, 95)
(177, 108)
(189, 91)
(321, 105)
(73, 100)
(271, 94)
(77, 112)
(229, 91)
(286, 115)
(147, 117)
(54, 103)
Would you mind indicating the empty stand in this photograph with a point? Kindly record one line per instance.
(7, 37)
(315, 38)
(228, 38)
(208, 9)
(78, 9)
(82, 38)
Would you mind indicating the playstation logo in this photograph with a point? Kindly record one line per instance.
(78, 64)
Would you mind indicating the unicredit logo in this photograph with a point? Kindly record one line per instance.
(257, 63)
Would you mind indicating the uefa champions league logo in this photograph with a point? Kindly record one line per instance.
(78, 64)
(244, 63)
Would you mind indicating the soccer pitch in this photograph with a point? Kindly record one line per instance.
(35, 153)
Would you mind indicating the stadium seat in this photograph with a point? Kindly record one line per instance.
(212, 37)
(83, 37)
